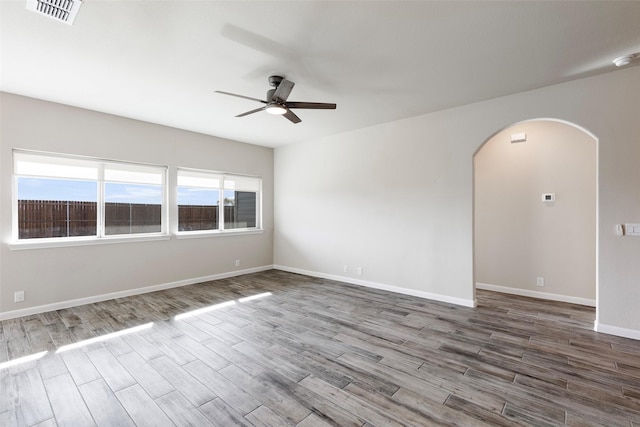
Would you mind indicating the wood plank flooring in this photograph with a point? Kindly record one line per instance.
(315, 352)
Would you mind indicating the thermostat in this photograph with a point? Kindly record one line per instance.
(548, 197)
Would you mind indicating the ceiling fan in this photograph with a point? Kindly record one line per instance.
(277, 103)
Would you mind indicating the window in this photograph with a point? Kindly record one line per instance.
(240, 201)
(66, 197)
(198, 200)
(133, 197)
(216, 201)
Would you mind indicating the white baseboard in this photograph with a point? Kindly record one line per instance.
(615, 330)
(536, 294)
(375, 285)
(598, 327)
(129, 292)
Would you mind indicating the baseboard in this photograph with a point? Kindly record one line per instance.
(381, 286)
(536, 294)
(615, 330)
(129, 292)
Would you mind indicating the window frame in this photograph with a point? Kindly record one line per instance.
(221, 230)
(100, 236)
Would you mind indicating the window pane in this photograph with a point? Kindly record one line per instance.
(197, 208)
(132, 208)
(56, 208)
(239, 209)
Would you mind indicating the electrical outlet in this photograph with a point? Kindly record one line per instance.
(345, 269)
(359, 271)
(237, 263)
(18, 296)
(540, 281)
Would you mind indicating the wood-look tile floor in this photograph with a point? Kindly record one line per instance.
(315, 352)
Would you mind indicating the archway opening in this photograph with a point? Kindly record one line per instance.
(535, 212)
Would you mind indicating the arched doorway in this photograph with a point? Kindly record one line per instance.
(535, 212)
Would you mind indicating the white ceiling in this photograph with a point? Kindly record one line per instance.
(161, 61)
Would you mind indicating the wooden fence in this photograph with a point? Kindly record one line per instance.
(54, 218)
(46, 218)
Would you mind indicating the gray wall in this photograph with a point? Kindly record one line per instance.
(56, 275)
(397, 199)
(519, 238)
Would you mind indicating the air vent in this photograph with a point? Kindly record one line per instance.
(60, 10)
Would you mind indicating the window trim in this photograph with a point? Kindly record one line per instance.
(61, 242)
(100, 236)
(200, 234)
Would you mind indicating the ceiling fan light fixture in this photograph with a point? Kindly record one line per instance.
(626, 60)
(276, 109)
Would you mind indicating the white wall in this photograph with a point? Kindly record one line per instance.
(57, 275)
(519, 238)
(396, 199)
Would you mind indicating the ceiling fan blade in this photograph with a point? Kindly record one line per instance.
(241, 96)
(283, 90)
(312, 105)
(292, 117)
(251, 112)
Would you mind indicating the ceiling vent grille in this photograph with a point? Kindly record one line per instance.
(60, 10)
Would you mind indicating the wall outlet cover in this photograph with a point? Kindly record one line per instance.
(549, 197)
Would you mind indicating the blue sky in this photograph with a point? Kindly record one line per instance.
(197, 196)
(57, 189)
(86, 191)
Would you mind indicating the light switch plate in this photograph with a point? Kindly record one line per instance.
(632, 229)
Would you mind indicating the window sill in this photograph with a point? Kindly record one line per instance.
(92, 241)
(65, 242)
(216, 233)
